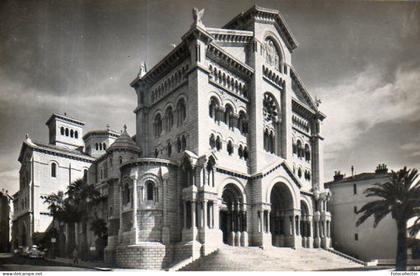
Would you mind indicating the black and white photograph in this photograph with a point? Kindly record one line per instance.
(210, 135)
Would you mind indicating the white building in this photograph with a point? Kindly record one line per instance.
(45, 169)
(364, 241)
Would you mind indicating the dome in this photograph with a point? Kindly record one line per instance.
(124, 142)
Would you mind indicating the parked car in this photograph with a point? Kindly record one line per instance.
(35, 253)
(24, 251)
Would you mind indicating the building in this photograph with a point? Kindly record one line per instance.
(227, 150)
(364, 241)
(231, 149)
(6, 214)
(50, 168)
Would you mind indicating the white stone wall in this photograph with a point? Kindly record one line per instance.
(68, 170)
(372, 243)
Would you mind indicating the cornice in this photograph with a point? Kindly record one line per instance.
(217, 54)
(231, 36)
(171, 60)
(296, 79)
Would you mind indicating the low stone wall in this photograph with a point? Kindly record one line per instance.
(146, 255)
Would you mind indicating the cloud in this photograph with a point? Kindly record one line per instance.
(365, 100)
(412, 149)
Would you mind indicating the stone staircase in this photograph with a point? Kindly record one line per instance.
(275, 259)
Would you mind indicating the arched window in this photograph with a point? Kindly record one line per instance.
(266, 138)
(307, 153)
(76, 134)
(270, 109)
(229, 115)
(71, 133)
(158, 125)
(242, 122)
(62, 130)
(156, 152)
(245, 153)
(96, 146)
(272, 54)
(150, 186)
(218, 143)
(169, 118)
(229, 147)
(213, 106)
(240, 151)
(184, 143)
(67, 132)
(181, 111)
(53, 170)
(100, 146)
(300, 172)
(178, 144)
(85, 172)
(299, 149)
(271, 142)
(126, 193)
(169, 149)
(104, 146)
(212, 141)
(121, 160)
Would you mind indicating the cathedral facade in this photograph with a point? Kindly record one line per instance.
(227, 151)
(232, 149)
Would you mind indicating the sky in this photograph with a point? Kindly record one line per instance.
(361, 58)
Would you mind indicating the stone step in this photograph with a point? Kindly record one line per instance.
(230, 258)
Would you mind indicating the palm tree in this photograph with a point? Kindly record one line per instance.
(74, 208)
(81, 198)
(399, 197)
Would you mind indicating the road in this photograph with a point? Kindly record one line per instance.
(10, 262)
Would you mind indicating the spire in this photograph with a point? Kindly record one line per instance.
(125, 128)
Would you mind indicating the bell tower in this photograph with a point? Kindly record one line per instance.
(65, 131)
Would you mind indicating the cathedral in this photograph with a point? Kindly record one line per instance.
(227, 152)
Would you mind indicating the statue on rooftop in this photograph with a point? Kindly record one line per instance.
(197, 16)
(143, 70)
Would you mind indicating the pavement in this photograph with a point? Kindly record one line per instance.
(83, 264)
(11, 262)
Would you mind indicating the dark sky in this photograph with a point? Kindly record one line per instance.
(361, 58)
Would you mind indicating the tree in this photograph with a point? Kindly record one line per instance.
(100, 230)
(73, 206)
(399, 197)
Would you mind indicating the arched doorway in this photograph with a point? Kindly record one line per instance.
(281, 215)
(232, 215)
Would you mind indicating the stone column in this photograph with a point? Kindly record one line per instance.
(134, 226)
(244, 234)
(193, 214)
(120, 229)
(292, 224)
(185, 213)
(211, 225)
(310, 234)
(204, 214)
(165, 230)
